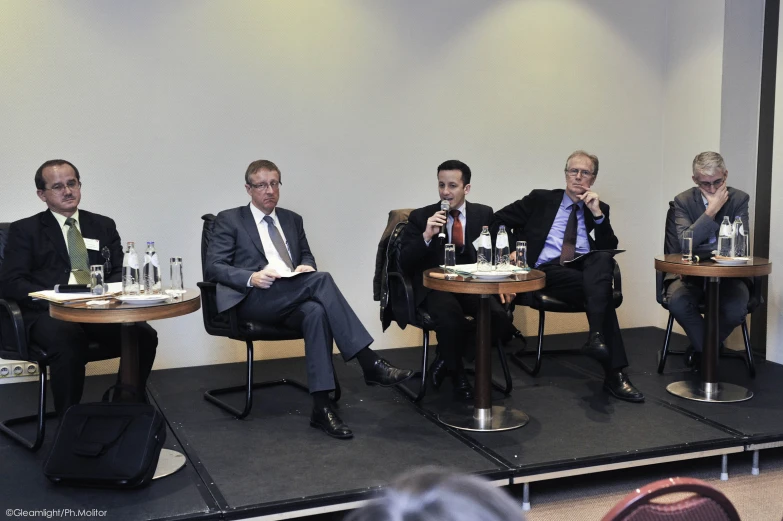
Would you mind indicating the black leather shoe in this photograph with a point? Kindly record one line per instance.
(618, 385)
(385, 375)
(693, 358)
(461, 386)
(595, 347)
(438, 372)
(326, 419)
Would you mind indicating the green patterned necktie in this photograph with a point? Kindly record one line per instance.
(77, 251)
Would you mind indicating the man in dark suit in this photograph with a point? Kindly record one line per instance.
(557, 225)
(57, 246)
(700, 210)
(421, 250)
(263, 266)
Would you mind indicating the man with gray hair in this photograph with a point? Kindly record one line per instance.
(701, 209)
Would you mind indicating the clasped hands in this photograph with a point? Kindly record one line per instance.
(266, 277)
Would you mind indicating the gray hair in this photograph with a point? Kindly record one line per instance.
(432, 494)
(591, 157)
(708, 163)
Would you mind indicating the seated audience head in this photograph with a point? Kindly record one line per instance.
(453, 182)
(709, 171)
(432, 494)
(58, 185)
(262, 182)
(581, 170)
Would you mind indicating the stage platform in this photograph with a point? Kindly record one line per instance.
(273, 465)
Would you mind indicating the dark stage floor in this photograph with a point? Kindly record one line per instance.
(273, 463)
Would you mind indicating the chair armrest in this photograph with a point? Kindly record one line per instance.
(756, 298)
(17, 327)
(659, 276)
(214, 326)
(618, 278)
(407, 288)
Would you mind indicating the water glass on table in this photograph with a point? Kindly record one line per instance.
(687, 246)
(177, 284)
(521, 255)
(449, 261)
(97, 282)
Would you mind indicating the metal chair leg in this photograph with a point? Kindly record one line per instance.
(748, 350)
(506, 373)
(665, 350)
(517, 357)
(39, 418)
(249, 387)
(416, 396)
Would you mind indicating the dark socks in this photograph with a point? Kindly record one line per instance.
(366, 358)
(321, 399)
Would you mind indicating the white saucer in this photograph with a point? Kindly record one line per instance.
(492, 275)
(731, 261)
(142, 299)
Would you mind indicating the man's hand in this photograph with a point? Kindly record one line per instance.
(303, 268)
(434, 224)
(264, 279)
(715, 201)
(507, 298)
(591, 201)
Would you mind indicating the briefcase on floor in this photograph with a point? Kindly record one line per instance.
(107, 444)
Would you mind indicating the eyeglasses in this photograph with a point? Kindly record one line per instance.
(573, 172)
(261, 187)
(715, 184)
(59, 188)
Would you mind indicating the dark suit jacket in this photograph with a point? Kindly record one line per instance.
(236, 252)
(689, 215)
(416, 256)
(36, 257)
(530, 219)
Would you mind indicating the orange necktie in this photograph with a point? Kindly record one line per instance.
(457, 235)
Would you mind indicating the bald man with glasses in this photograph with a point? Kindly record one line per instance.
(700, 210)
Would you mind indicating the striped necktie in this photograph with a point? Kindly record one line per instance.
(77, 251)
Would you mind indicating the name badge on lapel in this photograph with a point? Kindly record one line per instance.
(92, 244)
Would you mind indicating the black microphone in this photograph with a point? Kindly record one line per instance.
(444, 207)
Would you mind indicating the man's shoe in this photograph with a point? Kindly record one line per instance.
(595, 348)
(438, 372)
(692, 358)
(326, 419)
(385, 375)
(461, 386)
(516, 342)
(618, 385)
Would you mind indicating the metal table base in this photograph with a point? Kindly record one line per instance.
(495, 418)
(717, 392)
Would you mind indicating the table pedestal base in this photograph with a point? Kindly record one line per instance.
(170, 461)
(496, 418)
(710, 392)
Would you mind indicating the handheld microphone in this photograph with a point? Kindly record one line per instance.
(444, 207)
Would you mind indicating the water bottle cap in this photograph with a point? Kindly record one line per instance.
(502, 228)
(131, 243)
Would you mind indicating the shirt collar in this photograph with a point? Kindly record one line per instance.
(567, 202)
(61, 218)
(461, 208)
(258, 215)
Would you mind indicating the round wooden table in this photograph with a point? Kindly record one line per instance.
(128, 316)
(483, 416)
(710, 389)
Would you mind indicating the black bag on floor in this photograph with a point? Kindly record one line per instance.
(107, 444)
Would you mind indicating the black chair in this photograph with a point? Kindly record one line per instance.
(227, 324)
(543, 302)
(660, 295)
(14, 346)
(398, 295)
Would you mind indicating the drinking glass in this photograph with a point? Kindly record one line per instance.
(97, 282)
(449, 261)
(687, 246)
(177, 284)
(521, 255)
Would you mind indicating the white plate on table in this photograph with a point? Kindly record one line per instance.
(142, 299)
(731, 261)
(491, 275)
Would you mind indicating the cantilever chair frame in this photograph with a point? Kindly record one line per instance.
(404, 307)
(227, 324)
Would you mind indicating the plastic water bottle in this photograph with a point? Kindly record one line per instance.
(502, 250)
(725, 238)
(484, 258)
(739, 237)
(150, 271)
(130, 271)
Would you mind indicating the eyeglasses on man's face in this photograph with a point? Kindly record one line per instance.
(714, 184)
(60, 188)
(573, 172)
(261, 187)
